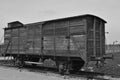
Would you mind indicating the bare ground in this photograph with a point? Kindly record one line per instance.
(112, 68)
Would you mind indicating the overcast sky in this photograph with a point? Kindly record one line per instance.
(29, 11)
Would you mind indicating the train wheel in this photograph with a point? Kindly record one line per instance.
(61, 68)
(77, 65)
(19, 62)
(67, 69)
(64, 68)
(76, 69)
(16, 61)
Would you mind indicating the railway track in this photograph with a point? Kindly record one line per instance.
(46, 70)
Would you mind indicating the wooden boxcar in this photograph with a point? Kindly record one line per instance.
(71, 42)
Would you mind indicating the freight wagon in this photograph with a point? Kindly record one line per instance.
(71, 42)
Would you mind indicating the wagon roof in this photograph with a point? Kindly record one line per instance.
(42, 22)
(85, 15)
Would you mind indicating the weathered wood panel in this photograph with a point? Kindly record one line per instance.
(22, 32)
(78, 30)
(96, 41)
(61, 31)
(48, 45)
(37, 43)
(102, 38)
(62, 23)
(37, 34)
(48, 32)
(56, 37)
(63, 53)
(15, 24)
(48, 29)
(76, 21)
(61, 43)
(37, 46)
(7, 38)
(14, 32)
(15, 40)
(33, 43)
(90, 37)
(14, 51)
(77, 42)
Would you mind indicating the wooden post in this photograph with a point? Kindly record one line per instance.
(54, 41)
(68, 38)
(18, 40)
(11, 41)
(94, 34)
(33, 42)
(101, 54)
(42, 39)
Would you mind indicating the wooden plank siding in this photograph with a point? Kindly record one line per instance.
(82, 36)
(96, 37)
(59, 42)
(7, 39)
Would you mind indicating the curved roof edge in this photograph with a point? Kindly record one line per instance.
(41, 22)
(95, 16)
(74, 17)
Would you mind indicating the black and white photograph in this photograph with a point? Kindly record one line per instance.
(59, 40)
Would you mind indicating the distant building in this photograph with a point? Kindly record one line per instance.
(113, 48)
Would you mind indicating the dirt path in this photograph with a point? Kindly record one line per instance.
(15, 74)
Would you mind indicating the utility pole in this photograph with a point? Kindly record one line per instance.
(106, 42)
(114, 46)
